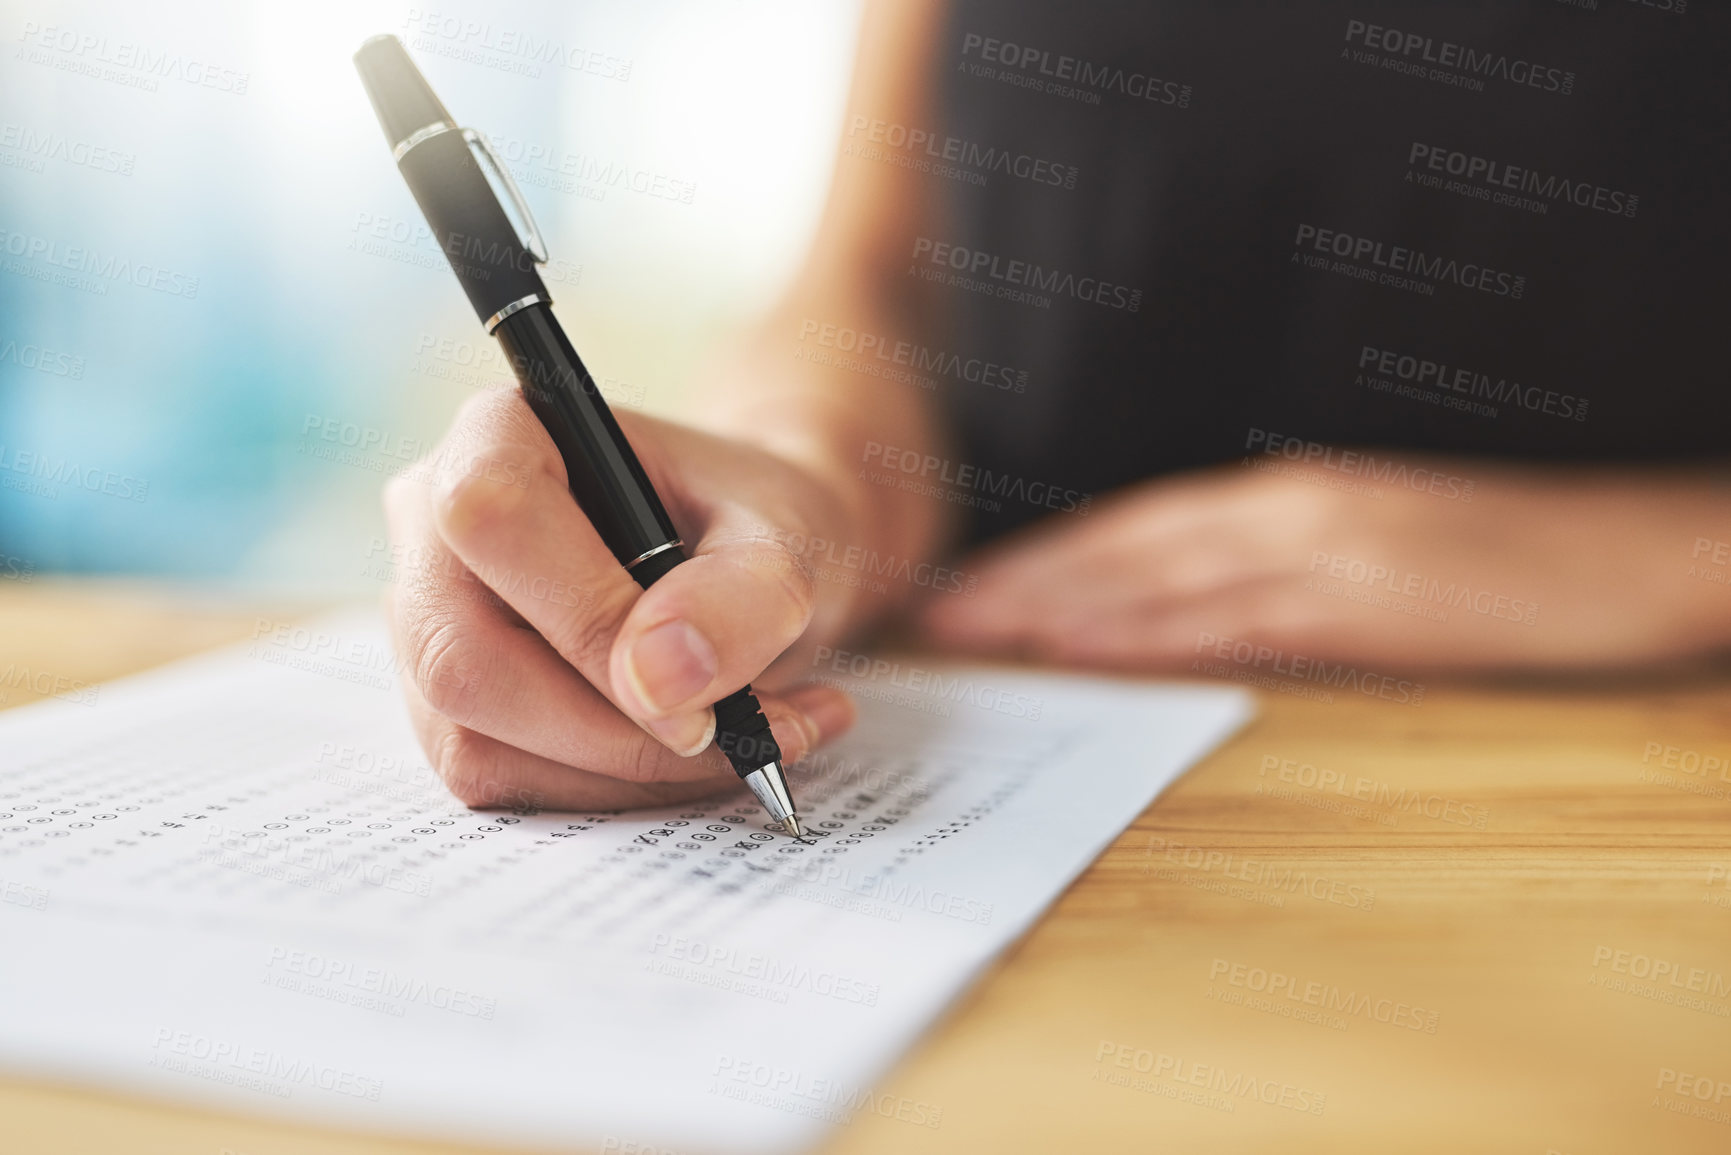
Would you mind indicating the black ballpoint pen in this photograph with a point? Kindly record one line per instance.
(497, 270)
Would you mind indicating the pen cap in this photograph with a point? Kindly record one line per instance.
(439, 163)
(401, 96)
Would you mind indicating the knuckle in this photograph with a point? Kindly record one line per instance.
(447, 668)
(464, 765)
(488, 411)
(647, 761)
(793, 582)
(422, 570)
(636, 757)
(499, 422)
(479, 490)
(584, 637)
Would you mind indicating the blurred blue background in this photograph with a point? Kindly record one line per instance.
(221, 323)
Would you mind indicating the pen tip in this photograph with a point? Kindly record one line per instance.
(770, 785)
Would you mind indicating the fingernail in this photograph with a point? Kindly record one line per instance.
(670, 663)
(685, 734)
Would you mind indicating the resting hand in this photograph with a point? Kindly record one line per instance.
(1527, 569)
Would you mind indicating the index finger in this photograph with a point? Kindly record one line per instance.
(501, 503)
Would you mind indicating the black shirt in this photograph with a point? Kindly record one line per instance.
(1184, 232)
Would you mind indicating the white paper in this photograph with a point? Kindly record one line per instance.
(236, 881)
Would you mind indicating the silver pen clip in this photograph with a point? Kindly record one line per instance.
(536, 246)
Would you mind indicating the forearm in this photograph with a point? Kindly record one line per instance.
(1643, 554)
(825, 417)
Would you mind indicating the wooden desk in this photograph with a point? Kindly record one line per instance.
(1458, 988)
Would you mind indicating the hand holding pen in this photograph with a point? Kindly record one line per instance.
(600, 621)
(583, 690)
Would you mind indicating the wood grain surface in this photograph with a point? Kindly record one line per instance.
(1498, 920)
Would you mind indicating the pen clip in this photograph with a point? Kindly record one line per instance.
(536, 246)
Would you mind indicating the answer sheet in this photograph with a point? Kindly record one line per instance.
(236, 881)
